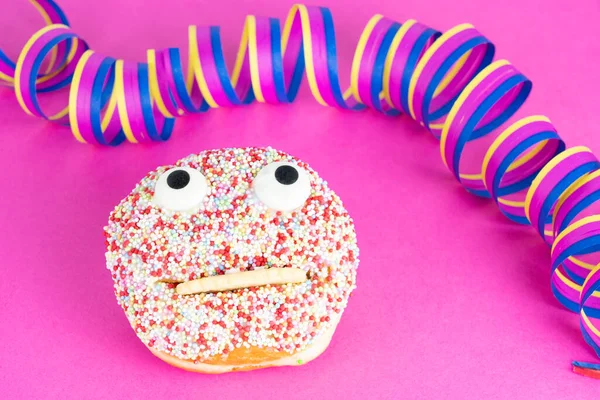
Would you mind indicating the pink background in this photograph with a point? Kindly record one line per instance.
(453, 300)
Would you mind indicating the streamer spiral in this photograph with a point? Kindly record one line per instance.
(447, 82)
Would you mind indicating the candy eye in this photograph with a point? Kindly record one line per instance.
(282, 186)
(180, 189)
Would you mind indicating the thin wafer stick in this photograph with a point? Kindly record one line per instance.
(246, 279)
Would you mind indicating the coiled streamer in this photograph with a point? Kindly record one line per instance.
(448, 82)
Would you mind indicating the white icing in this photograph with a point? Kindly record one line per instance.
(188, 198)
(278, 196)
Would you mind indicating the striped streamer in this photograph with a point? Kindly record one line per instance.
(448, 82)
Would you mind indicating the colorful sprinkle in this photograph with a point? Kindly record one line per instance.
(150, 248)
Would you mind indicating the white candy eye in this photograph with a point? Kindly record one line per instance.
(180, 189)
(282, 186)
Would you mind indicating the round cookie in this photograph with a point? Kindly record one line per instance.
(233, 259)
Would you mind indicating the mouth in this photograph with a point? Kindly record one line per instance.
(241, 280)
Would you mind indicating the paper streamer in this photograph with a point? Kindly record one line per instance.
(447, 82)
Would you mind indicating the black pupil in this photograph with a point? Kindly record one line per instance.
(178, 179)
(286, 175)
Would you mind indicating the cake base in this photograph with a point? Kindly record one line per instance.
(248, 359)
